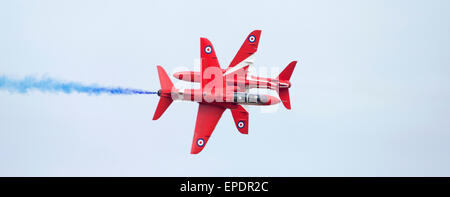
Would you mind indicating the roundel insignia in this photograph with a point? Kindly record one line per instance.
(252, 38)
(208, 49)
(200, 142)
(241, 124)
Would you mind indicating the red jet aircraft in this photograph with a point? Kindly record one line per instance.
(214, 97)
(236, 73)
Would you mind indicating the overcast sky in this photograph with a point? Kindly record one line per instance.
(370, 94)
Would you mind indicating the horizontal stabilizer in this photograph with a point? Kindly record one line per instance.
(164, 80)
(287, 72)
(163, 104)
(284, 96)
(165, 98)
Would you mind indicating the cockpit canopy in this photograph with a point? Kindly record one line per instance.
(241, 97)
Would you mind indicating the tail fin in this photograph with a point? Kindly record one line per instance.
(164, 80)
(165, 98)
(164, 103)
(284, 92)
(287, 72)
(284, 97)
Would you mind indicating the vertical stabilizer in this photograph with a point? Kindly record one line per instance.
(165, 99)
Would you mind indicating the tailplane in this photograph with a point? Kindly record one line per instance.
(284, 92)
(165, 96)
(284, 97)
(287, 72)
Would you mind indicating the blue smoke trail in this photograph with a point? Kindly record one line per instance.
(47, 84)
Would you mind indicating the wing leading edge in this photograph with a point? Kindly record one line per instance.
(244, 55)
(207, 118)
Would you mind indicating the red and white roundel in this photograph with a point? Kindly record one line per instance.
(200, 142)
(241, 124)
(208, 49)
(252, 38)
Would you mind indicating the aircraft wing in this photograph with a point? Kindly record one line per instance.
(245, 54)
(210, 68)
(240, 116)
(207, 117)
(211, 73)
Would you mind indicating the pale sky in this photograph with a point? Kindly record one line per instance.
(370, 95)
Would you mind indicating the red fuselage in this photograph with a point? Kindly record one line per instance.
(227, 100)
(248, 82)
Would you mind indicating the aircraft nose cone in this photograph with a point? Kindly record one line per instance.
(272, 100)
(178, 75)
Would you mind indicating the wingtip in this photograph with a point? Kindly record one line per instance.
(195, 151)
(256, 31)
(203, 39)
